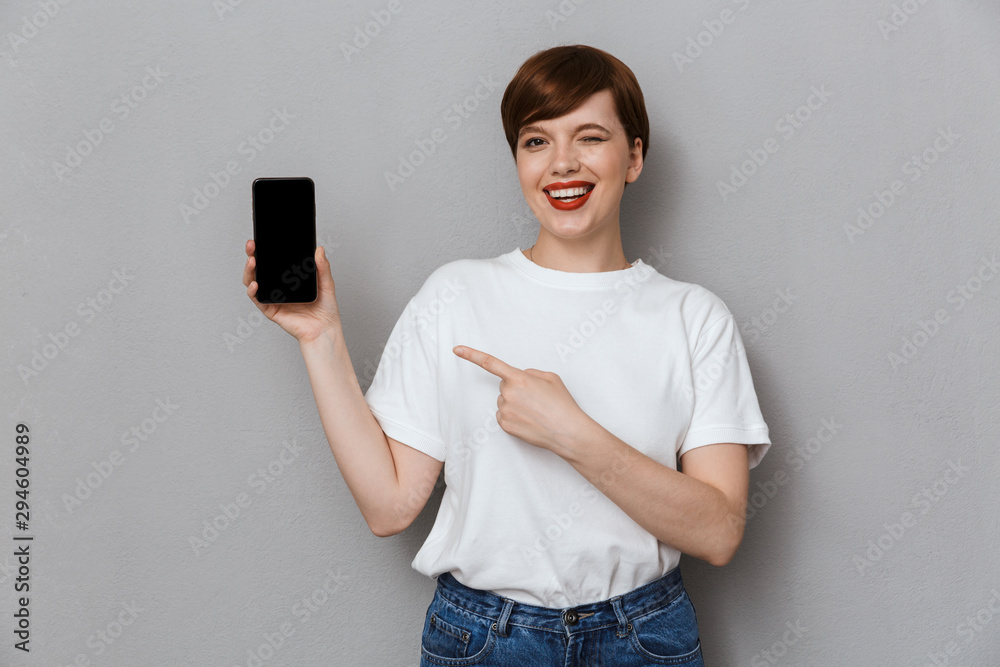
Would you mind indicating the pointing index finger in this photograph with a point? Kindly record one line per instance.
(486, 361)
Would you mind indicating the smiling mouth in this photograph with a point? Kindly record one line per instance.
(569, 194)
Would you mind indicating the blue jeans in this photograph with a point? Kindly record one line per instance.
(654, 624)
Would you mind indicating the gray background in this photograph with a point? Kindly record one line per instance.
(826, 551)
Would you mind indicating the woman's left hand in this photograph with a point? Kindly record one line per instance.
(534, 405)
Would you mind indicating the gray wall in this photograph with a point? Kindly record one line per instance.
(863, 538)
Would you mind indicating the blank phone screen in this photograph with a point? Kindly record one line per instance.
(284, 232)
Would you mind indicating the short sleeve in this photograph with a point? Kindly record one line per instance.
(403, 395)
(725, 404)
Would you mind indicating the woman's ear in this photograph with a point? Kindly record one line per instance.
(635, 161)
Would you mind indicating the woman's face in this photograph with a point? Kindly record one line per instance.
(584, 159)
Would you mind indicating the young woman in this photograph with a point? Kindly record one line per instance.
(594, 418)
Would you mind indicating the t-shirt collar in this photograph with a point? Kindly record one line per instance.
(599, 279)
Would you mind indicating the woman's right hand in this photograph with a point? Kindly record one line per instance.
(305, 321)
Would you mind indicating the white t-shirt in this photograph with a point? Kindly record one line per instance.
(657, 362)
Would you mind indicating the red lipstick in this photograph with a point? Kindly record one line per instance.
(568, 205)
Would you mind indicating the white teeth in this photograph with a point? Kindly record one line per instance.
(570, 192)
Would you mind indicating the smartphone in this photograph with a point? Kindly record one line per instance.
(284, 234)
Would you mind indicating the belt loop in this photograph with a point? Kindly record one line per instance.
(624, 627)
(501, 624)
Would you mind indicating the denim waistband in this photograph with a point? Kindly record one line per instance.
(618, 610)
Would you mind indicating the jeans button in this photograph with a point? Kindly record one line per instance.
(570, 617)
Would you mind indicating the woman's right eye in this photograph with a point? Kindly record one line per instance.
(528, 144)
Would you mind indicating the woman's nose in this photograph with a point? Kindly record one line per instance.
(564, 158)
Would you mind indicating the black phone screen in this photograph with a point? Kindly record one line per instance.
(284, 233)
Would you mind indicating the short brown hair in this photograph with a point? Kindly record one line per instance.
(556, 81)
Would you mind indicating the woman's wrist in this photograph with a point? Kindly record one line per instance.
(332, 334)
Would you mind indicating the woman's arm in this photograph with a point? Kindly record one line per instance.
(389, 480)
(700, 511)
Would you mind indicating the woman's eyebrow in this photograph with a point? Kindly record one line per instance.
(579, 128)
